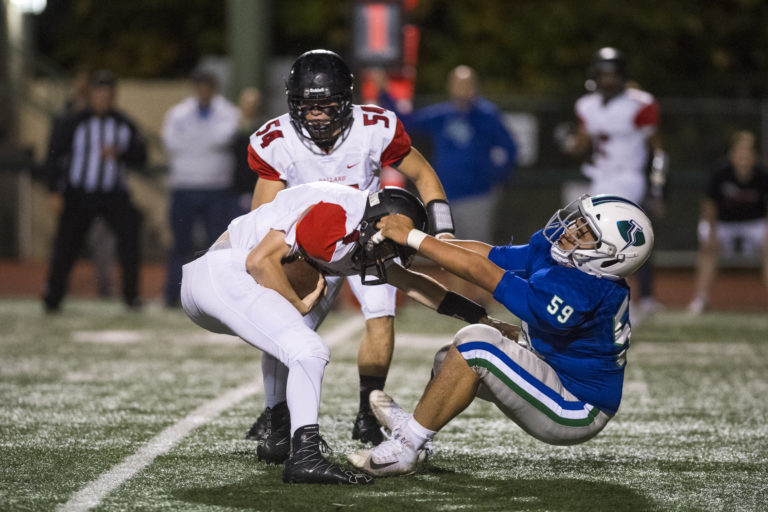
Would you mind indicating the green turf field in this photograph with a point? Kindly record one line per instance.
(93, 400)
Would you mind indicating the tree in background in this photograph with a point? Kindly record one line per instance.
(684, 48)
(140, 38)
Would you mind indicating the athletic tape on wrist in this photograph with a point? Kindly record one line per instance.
(415, 238)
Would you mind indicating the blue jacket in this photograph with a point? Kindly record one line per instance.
(472, 150)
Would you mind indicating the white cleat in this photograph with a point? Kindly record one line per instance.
(395, 456)
(386, 410)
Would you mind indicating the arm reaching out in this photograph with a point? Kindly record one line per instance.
(456, 258)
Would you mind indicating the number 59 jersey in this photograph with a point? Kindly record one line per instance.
(375, 140)
(577, 323)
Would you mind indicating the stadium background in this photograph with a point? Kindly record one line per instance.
(706, 63)
(98, 388)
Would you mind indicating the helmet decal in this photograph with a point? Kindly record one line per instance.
(631, 232)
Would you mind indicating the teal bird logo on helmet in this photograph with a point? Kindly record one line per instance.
(631, 232)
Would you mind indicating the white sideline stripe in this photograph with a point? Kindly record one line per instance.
(92, 494)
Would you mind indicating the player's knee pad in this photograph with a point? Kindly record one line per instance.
(477, 332)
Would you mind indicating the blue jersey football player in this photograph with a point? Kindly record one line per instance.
(562, 381)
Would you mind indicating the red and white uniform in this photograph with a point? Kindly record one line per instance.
(219, 294)
(619, 130)
(332, 234)
(375, 140)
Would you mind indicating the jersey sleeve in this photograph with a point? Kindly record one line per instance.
(320, 228)
(398, 148)
(511, 257)
(261, 167)
(648, 115)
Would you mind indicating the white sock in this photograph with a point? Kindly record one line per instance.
(416, 434)
(275, 375)
(305, 377)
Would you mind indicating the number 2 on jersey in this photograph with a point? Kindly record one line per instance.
(554, 308)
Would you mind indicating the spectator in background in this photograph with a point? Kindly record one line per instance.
(250, 121)
(733, 211)
(619, 124)
(473, 153)
(198, 134)
(87, 156)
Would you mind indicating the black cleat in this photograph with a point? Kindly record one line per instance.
(366, 428)
(275, 438)
(259, 429)
(306, 465)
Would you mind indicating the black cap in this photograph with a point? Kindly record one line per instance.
(103, 77)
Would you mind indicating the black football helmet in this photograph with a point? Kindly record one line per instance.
(606, 60)
(389, 200)
(320, 80)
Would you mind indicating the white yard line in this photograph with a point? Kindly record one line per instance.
(92, 494)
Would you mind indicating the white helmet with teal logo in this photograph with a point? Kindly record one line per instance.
(623, 232)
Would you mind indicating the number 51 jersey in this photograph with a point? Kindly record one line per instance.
(375, 140)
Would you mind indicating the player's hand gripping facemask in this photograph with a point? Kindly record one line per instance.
(373, 254)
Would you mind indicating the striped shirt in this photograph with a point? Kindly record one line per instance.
(76, 159)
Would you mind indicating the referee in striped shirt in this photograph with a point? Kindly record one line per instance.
(87, 156)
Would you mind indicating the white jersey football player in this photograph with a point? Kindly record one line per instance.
(619, 123)
(239, 287)
(621, 126)
(324, 137)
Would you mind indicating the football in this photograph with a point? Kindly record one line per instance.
(302, 276)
